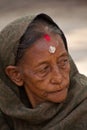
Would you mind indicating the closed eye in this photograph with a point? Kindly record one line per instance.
(43, 71)
(62, 63)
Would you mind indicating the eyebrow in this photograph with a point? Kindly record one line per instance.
(64, 54)
(42, 63)
(46, 62)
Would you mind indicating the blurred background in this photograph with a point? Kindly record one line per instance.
(70, 15)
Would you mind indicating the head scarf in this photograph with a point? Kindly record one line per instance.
(10, 101)
(9, 41)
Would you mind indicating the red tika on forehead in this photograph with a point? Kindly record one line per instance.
(47, 37)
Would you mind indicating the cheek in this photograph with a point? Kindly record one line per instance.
(27, 77)
(33, 81)
(66, 71)
(66, 75)
(64, 68)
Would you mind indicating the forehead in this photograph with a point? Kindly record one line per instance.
(45, 42)
(39, 51)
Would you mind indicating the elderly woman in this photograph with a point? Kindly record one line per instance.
(40, 86)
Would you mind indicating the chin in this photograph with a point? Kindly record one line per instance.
(62, 99)
(59, 97)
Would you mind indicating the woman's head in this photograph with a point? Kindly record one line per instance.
(41, 62)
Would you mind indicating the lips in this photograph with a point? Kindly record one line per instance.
(58, 90)
(58, 96)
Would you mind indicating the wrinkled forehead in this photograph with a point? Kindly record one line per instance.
(48, 44)
(47, 49)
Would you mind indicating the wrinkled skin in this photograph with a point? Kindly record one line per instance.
(45, 75)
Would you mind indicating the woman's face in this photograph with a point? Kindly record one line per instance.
(46, 75)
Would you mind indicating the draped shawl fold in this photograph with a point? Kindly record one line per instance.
(15, 113)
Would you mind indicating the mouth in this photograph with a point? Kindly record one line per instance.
(59, 95)
(57, 91)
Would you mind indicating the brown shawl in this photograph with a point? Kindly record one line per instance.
(15, 113)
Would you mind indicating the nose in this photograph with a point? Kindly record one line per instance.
(56, 77)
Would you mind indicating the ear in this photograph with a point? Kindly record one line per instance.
(14, 74)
